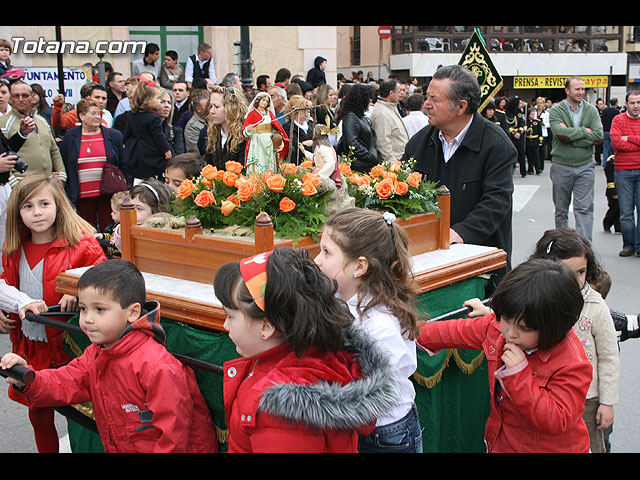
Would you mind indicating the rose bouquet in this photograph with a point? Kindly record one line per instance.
(391, 186)
(292, 197)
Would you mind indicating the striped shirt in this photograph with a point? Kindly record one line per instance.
(90, 162)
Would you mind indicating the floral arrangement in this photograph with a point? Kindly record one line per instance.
(292, 197)
(391, 186)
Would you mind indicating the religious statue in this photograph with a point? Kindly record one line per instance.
(267, 142)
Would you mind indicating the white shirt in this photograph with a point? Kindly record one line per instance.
(385, 328)
(188, 69)
(415, 121)
(449, 148)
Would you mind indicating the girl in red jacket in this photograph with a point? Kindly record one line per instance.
(308, 380)
(539, 373)
(45, 237)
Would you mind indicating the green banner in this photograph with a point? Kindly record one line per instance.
(476, 58)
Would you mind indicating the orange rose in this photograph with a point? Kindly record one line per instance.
(220, 174)
(209, 172)
(401, 188)
(345, 169)
(207, 183)
(366, 180)
(288, 168)
(230, 178)
(316, 180)
(306, 164)
(233, 199)
(227, 207)
(414, 179)
(245, 191)
(185, 189)
(384, 188)
(308, 188)
(377, 171)
(287, 205)
(395, 166)
(276, 182)
(204, 199)
(391, 175)
(232, 166)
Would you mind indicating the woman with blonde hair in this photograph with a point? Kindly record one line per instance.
(223, 132)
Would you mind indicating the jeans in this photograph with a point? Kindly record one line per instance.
(401, 436)
(628, 188)
(578, 182)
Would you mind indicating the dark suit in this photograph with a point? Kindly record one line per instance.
(479, 177)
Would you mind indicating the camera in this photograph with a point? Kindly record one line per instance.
(20, 166)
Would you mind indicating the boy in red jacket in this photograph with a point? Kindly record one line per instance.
(144, 399)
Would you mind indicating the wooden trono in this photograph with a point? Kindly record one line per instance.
(193, 256)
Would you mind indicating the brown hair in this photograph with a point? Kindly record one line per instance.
(144, 94)
(85, 104)
(68, 224)
(361, 232)
(152, 192)
(563, 243)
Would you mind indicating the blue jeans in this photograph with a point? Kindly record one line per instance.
(628, 188)
(401, 436)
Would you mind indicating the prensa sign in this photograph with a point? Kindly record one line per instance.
(590, 81)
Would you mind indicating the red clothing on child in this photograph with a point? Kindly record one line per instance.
(277, 402)
(536, 406)
(144, 399)
(58, 257)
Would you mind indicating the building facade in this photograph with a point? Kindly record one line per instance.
(533, 60)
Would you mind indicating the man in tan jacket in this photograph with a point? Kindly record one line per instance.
(391, 132)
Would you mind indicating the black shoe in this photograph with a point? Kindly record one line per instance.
(626, 252)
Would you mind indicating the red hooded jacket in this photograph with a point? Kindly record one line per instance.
(144, 399)
(316, 403)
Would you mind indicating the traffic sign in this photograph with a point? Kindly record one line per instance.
(384, 32)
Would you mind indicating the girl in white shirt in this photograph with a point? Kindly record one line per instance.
(367, 254)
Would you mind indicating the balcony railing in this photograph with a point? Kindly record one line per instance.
(550, 39)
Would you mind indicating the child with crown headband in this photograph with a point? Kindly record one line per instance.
(308, 380)
(143, 398)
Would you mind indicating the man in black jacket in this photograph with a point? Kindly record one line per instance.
(469, 155)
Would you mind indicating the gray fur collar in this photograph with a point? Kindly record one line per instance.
(334, 406)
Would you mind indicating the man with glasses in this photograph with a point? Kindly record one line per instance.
(39, 151)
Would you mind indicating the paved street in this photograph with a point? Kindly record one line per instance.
(533, 214)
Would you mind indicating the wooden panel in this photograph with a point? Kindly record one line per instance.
(190, 255)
